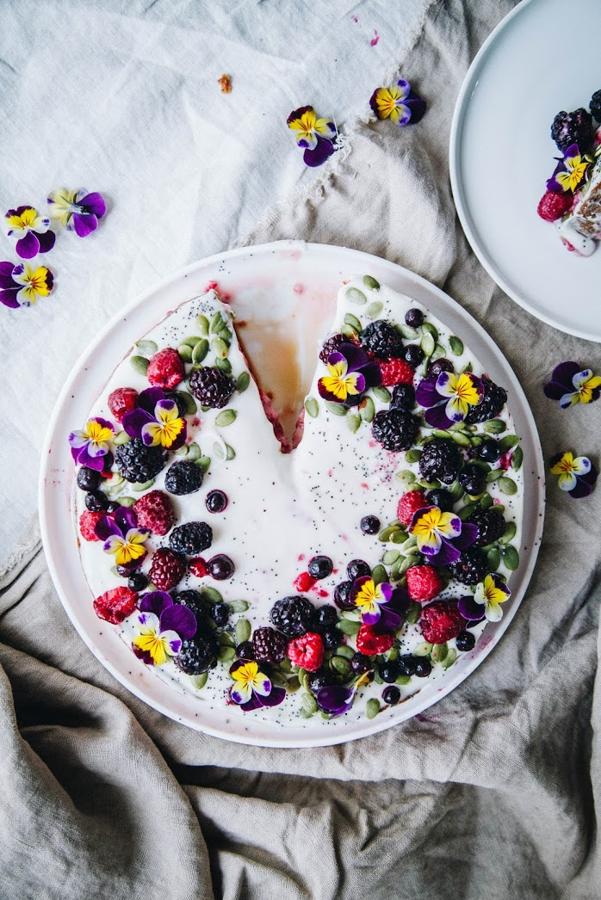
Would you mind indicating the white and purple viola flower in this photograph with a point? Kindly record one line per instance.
(571, 384)
(122, 538)
(31, 231)
(314, 135)
(252, 688)
(448, 397)
(350, 373)
(23, 285)
(381, 603)
(441, 536)
(79, 211)
(163, 626)
(91, 446)
(156, 420)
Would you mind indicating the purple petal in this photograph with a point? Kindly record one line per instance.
(372, 374)
(355, 356)
(417, 106)
(436, 417)
(84, 224)
(426, 394)
(9, 298)
(555, 390)
(469, 609)
(446, 555)
(155, 602)
(275, 697)
(469, 534)
(28, 246)
(46, 241)
(149, 398)
(92, 462)
(319, 154)
(107, 526)
(371, 618)
(6, 275)
(93, 203)
(564, 373)
(135, 420)
(390, 619)
(180, 619)
(386, 590)
(126, 518)
(255, 702)
(335, 699)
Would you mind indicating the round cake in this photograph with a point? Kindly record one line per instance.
(331, 574)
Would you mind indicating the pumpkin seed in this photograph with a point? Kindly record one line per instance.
(194, 452)
(341, 665)
(427, 343)
(423, 649)
(406, 476)
(238, 606)
(200, 351)
(508, 442)
(379, 574)
(140, 364)
(226, 654)
(121, 438)
(142, 487)
(312, 407)
(204, 463)
(449, 658)
(187, 401)
(374, 309)
(494, 426)
(390, 557)
(336, 408)
(225, 418)
(219, 347)
(439, 352)
(459, 438)
(345, 651)
(387, 533)
(346, 626)
(494, 475)
(509, 533)
(399, 537)
(292, 685)
(309, 704)
(409, 333)
(372, 708)
(402, 679)
(225, 639)
(413, 614)
(455, 490)
(193, 339)
(485, 501)
(367, 409)
(493, 557)
(439, 651)
(370, 282)
(413, 455)
(456, 345)
(216, 322)
(382, 394)
(353, 321)
(211, 594)
(199, 681)
(242, 382)
(511, 557)
(354, 295)
(348, 332)
(185, 352)
(147, 348)
(428, 328)
(203, 324)
(230, 453)
(507, 485)
(242, 630)
(466, 511)
(353, 422)
(517, 458)
(127, 501)
(224, 364)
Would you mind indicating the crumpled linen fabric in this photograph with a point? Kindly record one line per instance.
(490, 793)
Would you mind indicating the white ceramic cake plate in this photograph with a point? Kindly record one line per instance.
(501, 155)
(297, 283)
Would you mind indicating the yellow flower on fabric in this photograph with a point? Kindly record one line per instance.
(307, 127)
(398, 103)
(492, 592)
(568, 467)
(62, 203)
(431, 526)
(35, 282)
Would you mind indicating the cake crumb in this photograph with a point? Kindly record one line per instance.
(225, 83)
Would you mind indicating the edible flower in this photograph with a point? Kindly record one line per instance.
(78, 210)
(377, 602)
(156, 420)
(122, 538)
(31, 230)
(570, 385)
(398, 103)
(470, 610)
(91, 446)
(252, 688)
(441, 536)
(491, 593)
(576, 474)
(336, 699)
(21, 285)
(350, 373)
(163, 626)
(570, 170)
(448, 397)
(316, 136)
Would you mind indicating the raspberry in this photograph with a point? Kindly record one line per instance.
(155, 512)
(573, 128)
(492, 402)
(87, 524)
(212, 387)
(553, 206)
(166, 369)
(137, 462)
(198, 567)
(307, 651)
(304, 582)
(269, 645)
(382, 339)
(409, 504)
(116, 605)
(292, 615)
(333, 344)
(394, 429)
(440, 622)
(423, 583)
(166, 569)
(191, 538)
(183, 478)
(122, 401)
(440, 460)
(370, 642)
(395, 371)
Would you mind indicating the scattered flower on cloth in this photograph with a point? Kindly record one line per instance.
(91, 446)
(336, 699)
(78, 210)
(376, 602)
(441, 536)
(156, 420)
(350, 373)
(570, 170)
(252, 688)
(314, 135)
(122, 538)
(491, 593)
(31, 230)
(22, 285)
(570, 385)
(448, 397)
(163, 626)
(576, 474)
(398, 103)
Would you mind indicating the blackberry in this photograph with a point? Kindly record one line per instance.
(197, 655)
(88, 479)
(491, 525)
(595, 106)
(342, 595)
(370, 524)
(245, 650)
(489, 451)
(423, 667)
(413, 354)
(191, 538)
(330, 638)
(137, 462)
(389, 671)
(403, 397)
(211, 386)
(183, 478)
(472, 479)
(269, 645)
(573, 128)
(471, 567)
(137, 581)
(493, 401)
(220, 614)
(357, 568)
(465, 641)
(292, 615)
(194, 601)
(216, 501)
(331, 346)
(96, 501)
(414, 317)
(220, 567)
(320, 567)
(441, 498)
(382, 339)
(324, 617)
(440, 460)
(394, 429)
(360, 664)
(407, 665)
(391, 695)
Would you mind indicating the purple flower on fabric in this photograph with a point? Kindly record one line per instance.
(78, 210)
(448, 397)
(91, 446)
(576, 474)
(441, 536)
(156, 420)
(163, 626)
(315, 136)
(570, 384)
(23, 285)
(470, 610)
(569, 171)
(31, 230)
(350, 373)
(398, 103)
(122, 538)
(252, 688)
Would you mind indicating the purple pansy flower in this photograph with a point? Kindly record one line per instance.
(91, 446)
(576, 474)
(163, 626)
(570, 384)
(156, 420)
(470, 610)
(336, 699)
(122, 538)
(22, 284)
(316, 136)
(448, 397)
(569, 171)
(381, 603)
(441, 536)
(31, 230)
(350, 373)
(253, 689)
(398, 103)
(79, 210)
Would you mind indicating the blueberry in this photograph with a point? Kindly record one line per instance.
(403, 397)
(413, 354)
(423, 667)
(342, 595)
(220, 567)
(112, 505)
(465, 641)
(441, 498)
(407, 665)
(320, 566)
(245, 650)
(318, 680)
(137, 581)
(489, 450)
(357, 568)
(391, 695)
(414, 317)
(330, 638)
(370, 524)
(96, 501)
(440, 365)
(216, 501)
(219, 613)
(472, 478)
(88, 479)
(324, 617)
(389, 671)
(360, 664)
(126, 571)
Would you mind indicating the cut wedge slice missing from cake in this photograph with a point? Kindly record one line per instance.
(374, 551)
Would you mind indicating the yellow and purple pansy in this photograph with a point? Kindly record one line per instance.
(23, 285)
(441, 536)
(78, 210)
(314, 135)
(253, 688)
(122, 538)
(576, 474)
(31, 230)
(350, 373)
(381, 603)
(570, 384)
(91, 446)
(398, 103)
(156, 420)
(448, 397)
(163, 625)
(570, 170)
(337, 699)
(490, 594)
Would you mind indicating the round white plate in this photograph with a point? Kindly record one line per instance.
(541, 58)
(297, 279)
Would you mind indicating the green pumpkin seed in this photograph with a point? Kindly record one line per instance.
(348, 332)
(409, 333)
(494, 475)
(224, 364)
(517, 459)
(456, 345)
(413, 455)
(449, 658)
(439, 651)
(387, 532)
(353, 321)
(354, 295)
(292, 685)
(427, 343)
(486, 501)
(225, 639)
(379, 574)
(194, 452)
(341, 666)
(242, 630)
(200, 351)
(507, 485)
(346, 626)
(193, 340)
(374, 309)
(423, 649)
(439, 352)
(188, 402)
(216, 323)
(367, 409)
(309, 704)
(508, 442)
(121, 438)
(345, 651)
(413, 614)
(468, 368)
(460, 438)
(466, 511)
(382, 394)
(390, 557)
(406, 476)
(211, 594)
(142, 487)
(312, 407)
(199, 681)
(225, 418)
(238, 606)
(511, 557)
(494, 426)
(455, 490)
(185, 352)
(353, 422)
(372, 708)
(370, 282)
(127, 501)
(509, 533)
(203, 324)
(147, 348)
(242, 382)
(399, 537)
(140, 364)
(204, 463)
(402, 679)
(336, 408)
(226, 654)
(493, 557)
(219, 347)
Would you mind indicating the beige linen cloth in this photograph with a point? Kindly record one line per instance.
(490, 794)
